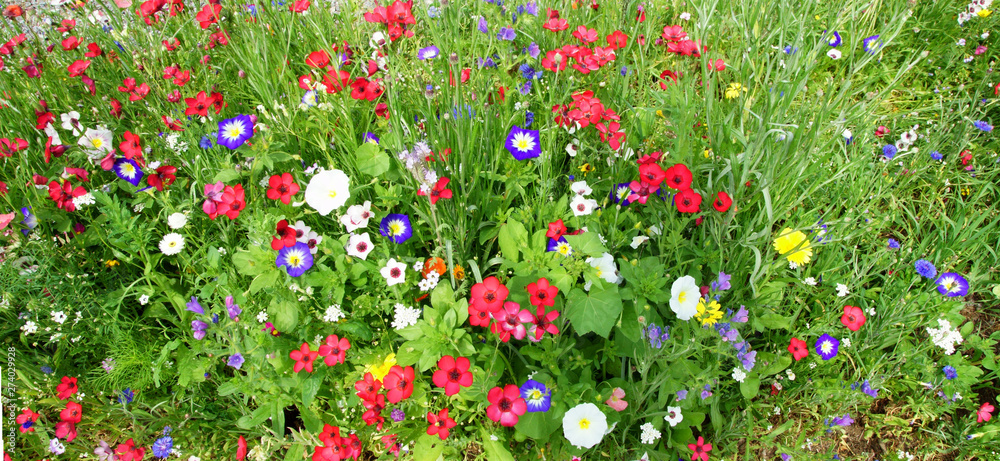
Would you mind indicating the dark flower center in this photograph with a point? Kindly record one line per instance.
(362, 247)
(490, 296)
(394, 272)
(505, 405)
(454, 375)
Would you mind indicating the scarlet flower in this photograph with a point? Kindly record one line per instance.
(9, 147)
(511, 319)
(452, 374)
(80, 173)
(94, 50)
(984, 413)
(556, 24)
(722, 202)
(673, 33)
(506, 405)
(652, 173)
(282, 187)
(398, 383)
(232, 202)
(585, 35)
(439, 423)
(66, 430)
(116, 108)
(439, 191)
(303, 358)
(368, 387)
(542, 294)
(241, 448)
(330, 435)
(163, 177)
(688, 201)
(171, 44)
(318, 59)
(208, 15)
(70, 43)
(685, 48)
(286, 237)
(719, 65)
(198, 105)
(78, 67)
(478, 317)
(334, 350)
(700, 449)
(73, 412)
(798, 349)
(490, 294)
(617, 39)
(67, 25)
(556, 229)
(26, 420)
(853, 318)
(182, 78)
(129, 452)
(542, 323)
(678, 177)
(362, 88)
(63, 196)
(131, 146)
(299, 6)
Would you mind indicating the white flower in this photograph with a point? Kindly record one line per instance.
(791, 374)
(834, 54)
(143, 299)
(580, 188)
(29, 327)
(961, 42)
(333, 314)
(842, 290)
(684, 294)
(685, 16)
(71, 121)
(673, 416)
(85, 199)
(582, 206)
(328, 190)
(847, 134)
(360, 245)
(573, 147)
(638, 240)
(811, 281)
(377, 40)
(357, 216)
(649, 434)
(405, 316)
(222, 251)
(584, 425)
(58, 316)
(792, 265)
(194, 458)
(945, 337)
(172, 244)
(739, 374)
(51, 132)
(425, 285)
(97, 143)
(394, 272)
(177, 221)
(262, 316)
(606, 268)
(846, 342)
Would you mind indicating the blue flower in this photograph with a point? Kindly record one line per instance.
(835, 41)
(370, 137)
(198, 328)
(952, 285)
(741, 315)
(889, 151)
(506, 33)
(789, 49)
(433, 12)
(843, 421)
(309, 98)
(936, 155)
(867, 389)
(529, 118)
(162, 446)
(205, 143)
(749, 360)
(620, 193)
(396, 227)
(429, 52)
(296, 258)
(536, 395)
(523, 144)
(29, 220)
(46, 369)
(233, 132)
(232, 308)
(534, 50)
(925, 268)
(525, 89)
(893, 244)
(126, 396)
(483, 27)
(950, 372)
(872, 44)
(983, 126)
(656, 335)
(195, 306)
(827, 346)
(235, 360)
(128, 170)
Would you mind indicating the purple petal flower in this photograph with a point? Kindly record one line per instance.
(232, 308)
(396, 227)
(867, 389)
(297, 259)
(429, 52)
(741, 315)
(843, 421)
(235, 360)
(506, 33)
(523, 144)
(483, 27)
(749, 360)
(128, 170)
(198, 327)
(233, 132)
(952, 285)
(194, 306)
(827, 346)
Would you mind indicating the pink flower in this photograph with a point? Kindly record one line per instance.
(980, 50)
(616, 402)
(984, 413)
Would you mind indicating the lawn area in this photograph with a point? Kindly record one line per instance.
(497, 230)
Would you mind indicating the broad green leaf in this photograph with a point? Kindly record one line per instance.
(285, 315)
(226, 175)
(496, 451)
(539, 425)
(750, 387)
(596, 311)
(587, 243)
(428, 448)
(265, 280)
(295, 452)
(310, 387)
(512, 237)
(371, 159)
(254, 419)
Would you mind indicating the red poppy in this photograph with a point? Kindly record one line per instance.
(556, 229)
(299, 6)
(398, 383)
(673, 33)
(700, 449)
(78, 67)
(334, 350)
(617, 39)
(241, 448)
(368, 387)
(303, 358)
(722, 202)
(171, 44)
(9, 147)
(489, 294)
(94, 50)
(232, 202)
(129, 452)
(73, 412)
(542, 324)
(556, 24)
(439, 191)
(542, 294)
(853, 318)
(116, 108)
(478, 317)
(452, 374)
(80, 173)
(439, 423)
(67, 25)
(678, 177)
(506, 405)
(131, 146)
(163, 177)
(70, 43)
(208, 15)
(688, 201)
(63, 196)
(282, 187)
(286, 237)
(66, 430)
(798, 349)
(318, 59)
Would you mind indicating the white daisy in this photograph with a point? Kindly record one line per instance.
(172, 244)
(176, 221)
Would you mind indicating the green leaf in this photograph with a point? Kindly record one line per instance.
(226, 175)
(285, 315)
(750, 387)
(495, 451)
(309, 388)
(371, 159)
(538, 425)
(295, 453)
(265, 280)
(254, 419)
(587, 243)
(773, 321)
(512, 237)
(357, 330)
(429, 448)
(229, 387)
(596, 311)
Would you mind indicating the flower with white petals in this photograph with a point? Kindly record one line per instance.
(581, 188)
(394, 272)
(328, 190)
(172, 244)
(582, 206)
(359, 245)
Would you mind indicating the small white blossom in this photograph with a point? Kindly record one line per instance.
(333, 314)
(649, 434)
(59, 317)
(739, 374)
(29, 327)
(405, 316)
(811, 281)
(143, 299)
(262, 317)
(842, 290)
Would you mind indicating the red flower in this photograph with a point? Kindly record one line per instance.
(9, 147)
(362, 88)
(556, 229)
(330, 435)
(241, 448)
(129, 452)
(172, 123)
(688, 201)
(478, 317)
(94, 50)
(439, 191)
(282, 187)
(171, 44)
(685, 48)
(368, 387)
(68, 386)
(131, 146)
(585, 35)
(182, 78)
(398, 383)
(853, 318)
(452, 373)
(163, 177)
(299, 6)
(334, 350)
(673, 33)
(984, 413)
(78, 67)
(652, 174)
(700, 449)
(66, 429)
(303, 358)
(286, 237)
(678, 177)
(506, 405)
(70, 43)
(232, 202)
(67, 25)
(27, 416)
(116, 108)
(617, 40)
(555, 60)
(80, 173)
(73, 412)
(556, 24)
(718, 65)
(798, 349)
(198, 105)
(489, 294)
(336, 80)
(722, 202)
(881, 131)
(439, 423)
(208, 15)
(318, 59)
(542, 323)
(542, 294)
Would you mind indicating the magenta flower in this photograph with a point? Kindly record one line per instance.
(511, 320)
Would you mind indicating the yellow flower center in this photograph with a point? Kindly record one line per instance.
(294, 260)
(395, 228)
(681, 297)
(332, 194)
(584, 424)
(234, 132)
(98, 142)
(536, 394)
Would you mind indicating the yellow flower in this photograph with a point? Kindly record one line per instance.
(733, 90)
(586, 168)
(379, 371)
(459, 272)
(708, 314)
(111, 263)
(984, 13)
(790, 240)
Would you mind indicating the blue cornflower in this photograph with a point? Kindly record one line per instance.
(162, 446)
(536, 395)
(936, 155)
(925, 268)
(982, 126)
(950, 372)
(889, 151)
(46, 369)
(205, 143)
(893, 244)
(529, 118)
(126, 396)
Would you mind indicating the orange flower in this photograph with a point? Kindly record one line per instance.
(434, 264)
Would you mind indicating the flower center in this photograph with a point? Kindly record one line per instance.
(504, 405)
(454, 375)
(294, 260)
(681, 297)
(584, 424)
(394, 272)
(536, 394)
(362, 247)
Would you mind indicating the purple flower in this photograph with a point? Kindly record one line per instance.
(827, 346)
(867, 389)
(657, 336)
(198, 327)
(534, 50)
(872, 44)
(741, 315)
(835, 41)
(162, 446)
(297, 259)
(983, 126)
(925, 268)
(506, 33)
(707, 392)
(682, 394)
(536, 395)
(29, 220)
(232, 308)
(126, 396)
(952, 285)
(843, 421)
(397, 227)
(936, 155)
(749, 360)
(233, 132)
(893, 244)
(523, 144)
(397, 415)
(483, 27)
(429, 52)
(950, 372)
(194, 306)
(889, 151)
(104, 451)
(235, 360)
(128, 170)
(722, 283)
(532, 8)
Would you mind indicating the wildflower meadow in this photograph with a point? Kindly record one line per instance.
(499, 230)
